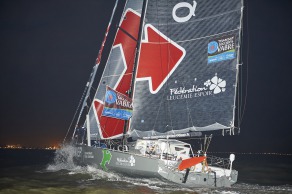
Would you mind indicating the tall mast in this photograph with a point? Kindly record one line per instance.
(138, 46)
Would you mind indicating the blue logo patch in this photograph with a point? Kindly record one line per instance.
(110, 97)
(212, 47)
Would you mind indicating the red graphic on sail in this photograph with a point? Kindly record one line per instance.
(159, 57)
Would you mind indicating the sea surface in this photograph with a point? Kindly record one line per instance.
(24, 171)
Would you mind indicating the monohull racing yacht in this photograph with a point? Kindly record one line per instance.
(171, 74)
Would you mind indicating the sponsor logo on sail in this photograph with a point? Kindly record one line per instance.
(212, 86)
(117, 105)
(221, 49)
(192, 9)
(110, 97)
(130, 161)
(212, 47)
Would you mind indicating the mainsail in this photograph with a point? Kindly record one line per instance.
(187, 73)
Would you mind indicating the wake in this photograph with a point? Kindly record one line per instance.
(63, 160)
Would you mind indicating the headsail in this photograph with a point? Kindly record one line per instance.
(187, 73)
(117, 73)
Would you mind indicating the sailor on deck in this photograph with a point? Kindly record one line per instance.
(80, 134)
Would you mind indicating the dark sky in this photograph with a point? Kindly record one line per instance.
(48, 49)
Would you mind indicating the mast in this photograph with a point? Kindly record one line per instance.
(138, 46)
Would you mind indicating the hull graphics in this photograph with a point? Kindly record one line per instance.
(137, 165)
(121, 162)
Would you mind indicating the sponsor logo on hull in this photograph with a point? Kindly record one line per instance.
(130, 161)
(106, 158)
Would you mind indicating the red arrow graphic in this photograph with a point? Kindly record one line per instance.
(126, 35)
(159, 57)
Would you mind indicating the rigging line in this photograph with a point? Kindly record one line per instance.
(168, 76)
(169, 59)
(240, 85)
(92, 88)
(80, 101)
(239, 76)
(188, 109)
(107, 59)
(95, 67)
(240, 97)
(247, 59)
(87, 93)
(160, 104)
(103, 127)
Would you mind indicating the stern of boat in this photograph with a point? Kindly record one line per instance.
(233, 176)
(217, 172)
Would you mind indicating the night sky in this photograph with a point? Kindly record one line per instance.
(48, 49)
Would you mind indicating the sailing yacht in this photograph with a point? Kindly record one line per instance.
(171, 75)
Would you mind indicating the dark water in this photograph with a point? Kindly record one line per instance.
(44, 171)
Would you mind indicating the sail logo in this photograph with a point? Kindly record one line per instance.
(181, 19)
(117, 105)
(110, 97)
(221, 49)
(212, 47)
(210, 87)
(216, 84)
(130, 161)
